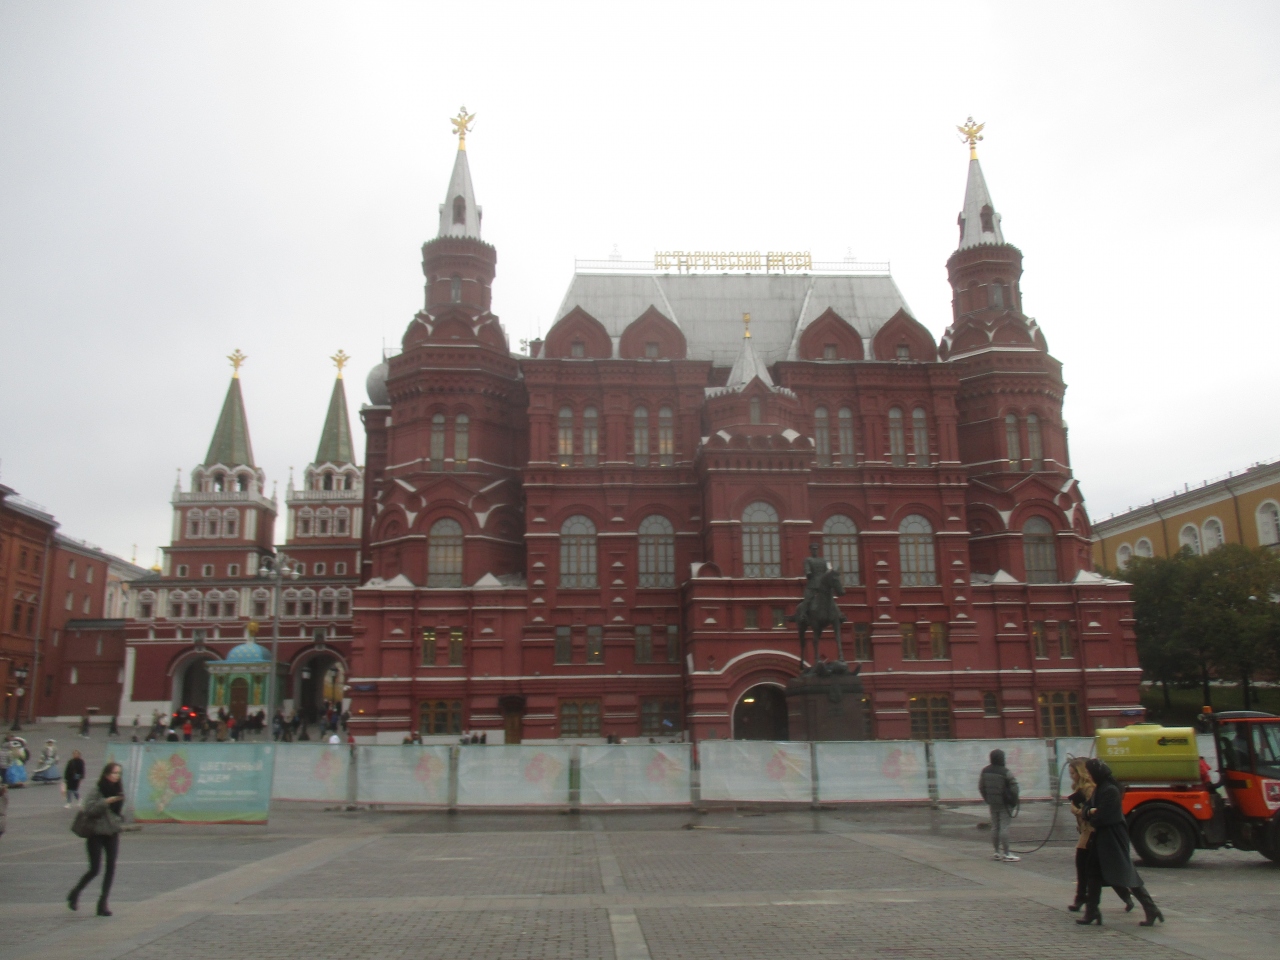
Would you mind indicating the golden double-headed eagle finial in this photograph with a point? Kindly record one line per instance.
(462, 125)
(971, 133)
(746, 326)
(237, 361)
(340, 360)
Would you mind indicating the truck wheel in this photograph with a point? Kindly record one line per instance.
(1163, 838)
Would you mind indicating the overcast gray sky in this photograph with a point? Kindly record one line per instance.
(179, 180)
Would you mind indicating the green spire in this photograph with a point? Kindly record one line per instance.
(335, 441)
(230, 445)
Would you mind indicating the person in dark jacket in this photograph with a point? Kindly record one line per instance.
(102, 806)
(999, 788)
(1109, 860)
(71, 776)
(1082, 790)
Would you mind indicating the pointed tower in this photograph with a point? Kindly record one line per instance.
(323, 532)
(1009, 404)
(225, 523)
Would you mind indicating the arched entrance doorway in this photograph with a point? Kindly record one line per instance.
(318, 680)
(191, 684)
(761, 714)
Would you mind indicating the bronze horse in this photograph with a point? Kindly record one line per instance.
(823, 614)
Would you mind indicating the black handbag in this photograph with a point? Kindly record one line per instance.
(82, 825)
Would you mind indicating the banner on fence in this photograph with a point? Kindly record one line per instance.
(639, 773)
(959, 762)
(409, 774)
(872, 770)
(311, 771)
(513, 775)
(1064, 749)
(202, 782)
(755, 770)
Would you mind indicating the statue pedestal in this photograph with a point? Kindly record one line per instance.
(825, 706)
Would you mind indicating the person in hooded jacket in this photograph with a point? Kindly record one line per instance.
(999, 788)
(1109, 860)
(102, 805)
(1082, 790)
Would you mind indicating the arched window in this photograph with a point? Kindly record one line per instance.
(760, 542)
(1143, 548)
(753, 410)
(304, 522)
(219, 482)
(641, 449)
(988, 221)
(822, 436)
(915, 552)
(1040, 551)
(578, 553)
(1213, 537)
(840, 547)
(455, 289)
(444, 554)
(437, 441)
(997, 295)
(590, 437)
(1035, 445)
(349, 483)
(920, 436)
(324, 517)
(193, 523)
(461, 441)
(1190, 537)
(230, 523)
(657, 552)
(1124, 556)
(1268, 524)
(242, 482)
(1012, 442)
(342, 522)
(564, 437)
(845, 420)
(897, 439)
(212, 524)
(666, 438)
(327, 482)
(459, 210)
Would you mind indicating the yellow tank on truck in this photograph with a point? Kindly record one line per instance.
(1149, 753)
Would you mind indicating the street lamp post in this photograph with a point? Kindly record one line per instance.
(277, 569)
(20, 674)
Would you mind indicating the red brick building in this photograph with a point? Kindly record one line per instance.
(604, 536)
(199, 604)
(26, 544)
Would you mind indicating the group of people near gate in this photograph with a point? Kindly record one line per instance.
(1102, 846)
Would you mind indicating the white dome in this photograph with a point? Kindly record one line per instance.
(376, 385)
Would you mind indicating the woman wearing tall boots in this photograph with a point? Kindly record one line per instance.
(102, 805)
(1109, 859)
(1081, 791)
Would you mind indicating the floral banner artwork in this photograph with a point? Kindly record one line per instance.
(959, 762)
(410, 774)
(513, 776)
(755, 770)
(201, 782)
(872, 770)
(639, 773)
(311, 771)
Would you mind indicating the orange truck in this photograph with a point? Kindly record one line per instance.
(1174, 808)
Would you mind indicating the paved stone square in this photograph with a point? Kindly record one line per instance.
(871, 883)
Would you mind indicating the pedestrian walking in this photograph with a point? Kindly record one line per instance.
(999, 788)
(84, 726)
(1081, 790)
(113, 728)
(71, 777)
(186, 730)
(1109, 860)
(100, 820)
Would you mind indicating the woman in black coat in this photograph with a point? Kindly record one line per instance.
(102, 806)
(1109, 860)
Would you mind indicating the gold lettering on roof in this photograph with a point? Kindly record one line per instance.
(683, 261)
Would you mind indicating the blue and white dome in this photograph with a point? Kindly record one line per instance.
(249, 652)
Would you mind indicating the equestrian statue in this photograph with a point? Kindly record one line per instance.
(818, 609)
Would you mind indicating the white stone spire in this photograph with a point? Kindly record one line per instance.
(979, 222)
(459, 214)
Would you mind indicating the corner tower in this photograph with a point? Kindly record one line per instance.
(1010, 430)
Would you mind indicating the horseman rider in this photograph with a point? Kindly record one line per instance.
(814, 567)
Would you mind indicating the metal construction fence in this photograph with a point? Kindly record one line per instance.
(231, 782)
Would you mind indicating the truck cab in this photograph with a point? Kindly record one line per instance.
(1169, 820)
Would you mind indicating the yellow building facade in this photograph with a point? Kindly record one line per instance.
(1240, 508)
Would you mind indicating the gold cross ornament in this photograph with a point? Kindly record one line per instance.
(237, 361)
(746, 326)
(462, 125)
(971, 133)
(340, 360)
